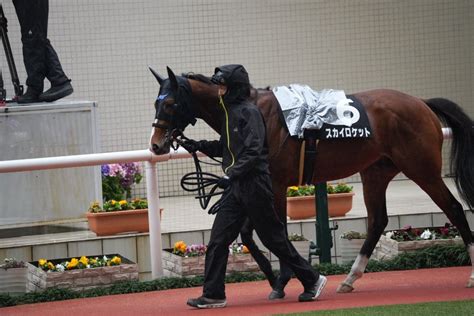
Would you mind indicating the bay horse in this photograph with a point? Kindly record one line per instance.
(406, 137)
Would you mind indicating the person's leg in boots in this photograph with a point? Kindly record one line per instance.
(60, 83)
(33, 19)
(40, 59)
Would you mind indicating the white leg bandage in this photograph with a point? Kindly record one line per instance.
(357, 271)
(470, 283)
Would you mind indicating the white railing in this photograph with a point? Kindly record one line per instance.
(119, 157)
(114, 157)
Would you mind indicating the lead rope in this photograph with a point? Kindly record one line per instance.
(198, 181)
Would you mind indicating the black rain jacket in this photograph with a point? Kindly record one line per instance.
(242, 145)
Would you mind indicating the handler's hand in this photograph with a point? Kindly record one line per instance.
(223, 182)
(191, 145)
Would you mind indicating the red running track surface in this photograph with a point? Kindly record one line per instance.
(246, 299)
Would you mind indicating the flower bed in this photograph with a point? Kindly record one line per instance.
(80, 274)
(13, 276)
(118, 217)
(409, 239)
(188, 261)
(301, 204)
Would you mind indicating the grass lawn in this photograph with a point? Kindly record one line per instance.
(452, 308)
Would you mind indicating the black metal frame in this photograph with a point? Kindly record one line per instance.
(11, 62)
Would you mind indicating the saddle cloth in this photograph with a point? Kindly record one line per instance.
(325, 114)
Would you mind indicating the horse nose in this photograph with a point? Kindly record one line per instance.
(155, 148)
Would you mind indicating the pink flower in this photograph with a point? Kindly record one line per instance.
(116, 170)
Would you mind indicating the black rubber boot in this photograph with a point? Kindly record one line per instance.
(57, 92)
(31, 96)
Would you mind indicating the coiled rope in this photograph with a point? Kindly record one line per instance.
(199, 181)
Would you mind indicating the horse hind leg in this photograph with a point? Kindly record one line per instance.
(375, 180)
(440, 194)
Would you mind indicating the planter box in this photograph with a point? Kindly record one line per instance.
(14, 280)
(302, 247)
(177, 266)
(81, 279)
(350, 249)
(110, 223)
(302, 207)
(388, 248)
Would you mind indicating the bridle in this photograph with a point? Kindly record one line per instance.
(173, 135)
(182, 114)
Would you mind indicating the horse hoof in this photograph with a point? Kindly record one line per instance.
(470, 283)
(344, 288)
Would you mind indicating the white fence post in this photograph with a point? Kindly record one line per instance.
(154, 220)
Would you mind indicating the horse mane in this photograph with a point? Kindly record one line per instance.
(197, 77)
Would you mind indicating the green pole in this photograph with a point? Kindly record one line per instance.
(323, 232)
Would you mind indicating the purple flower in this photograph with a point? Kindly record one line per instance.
(105, 169)
(130, 172)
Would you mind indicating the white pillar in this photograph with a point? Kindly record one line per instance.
(154, 219)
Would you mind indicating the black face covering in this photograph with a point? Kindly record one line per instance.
(185, 113)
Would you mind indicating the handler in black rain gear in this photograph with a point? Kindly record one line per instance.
(244, 151)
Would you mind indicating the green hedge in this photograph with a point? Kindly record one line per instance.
(433, 257)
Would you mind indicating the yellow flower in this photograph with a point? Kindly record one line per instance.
(72, 264)
(84, 260)
(116, 260)
(180, 247)
(50, 265)
(113, 202)
(42, 262)
(123, 202)
(293, 188)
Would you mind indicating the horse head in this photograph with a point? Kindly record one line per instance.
(174, 111)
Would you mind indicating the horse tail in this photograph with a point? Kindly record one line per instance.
(462, 149)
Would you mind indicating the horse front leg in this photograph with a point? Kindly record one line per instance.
(375, 182)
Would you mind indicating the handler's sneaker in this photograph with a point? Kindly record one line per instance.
(277, 291)
(313, 293)
(204, 302)
(276, 294)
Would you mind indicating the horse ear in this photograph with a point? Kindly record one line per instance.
(172, 78)
(157, 76)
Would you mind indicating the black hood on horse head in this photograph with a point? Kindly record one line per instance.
(185, 113)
